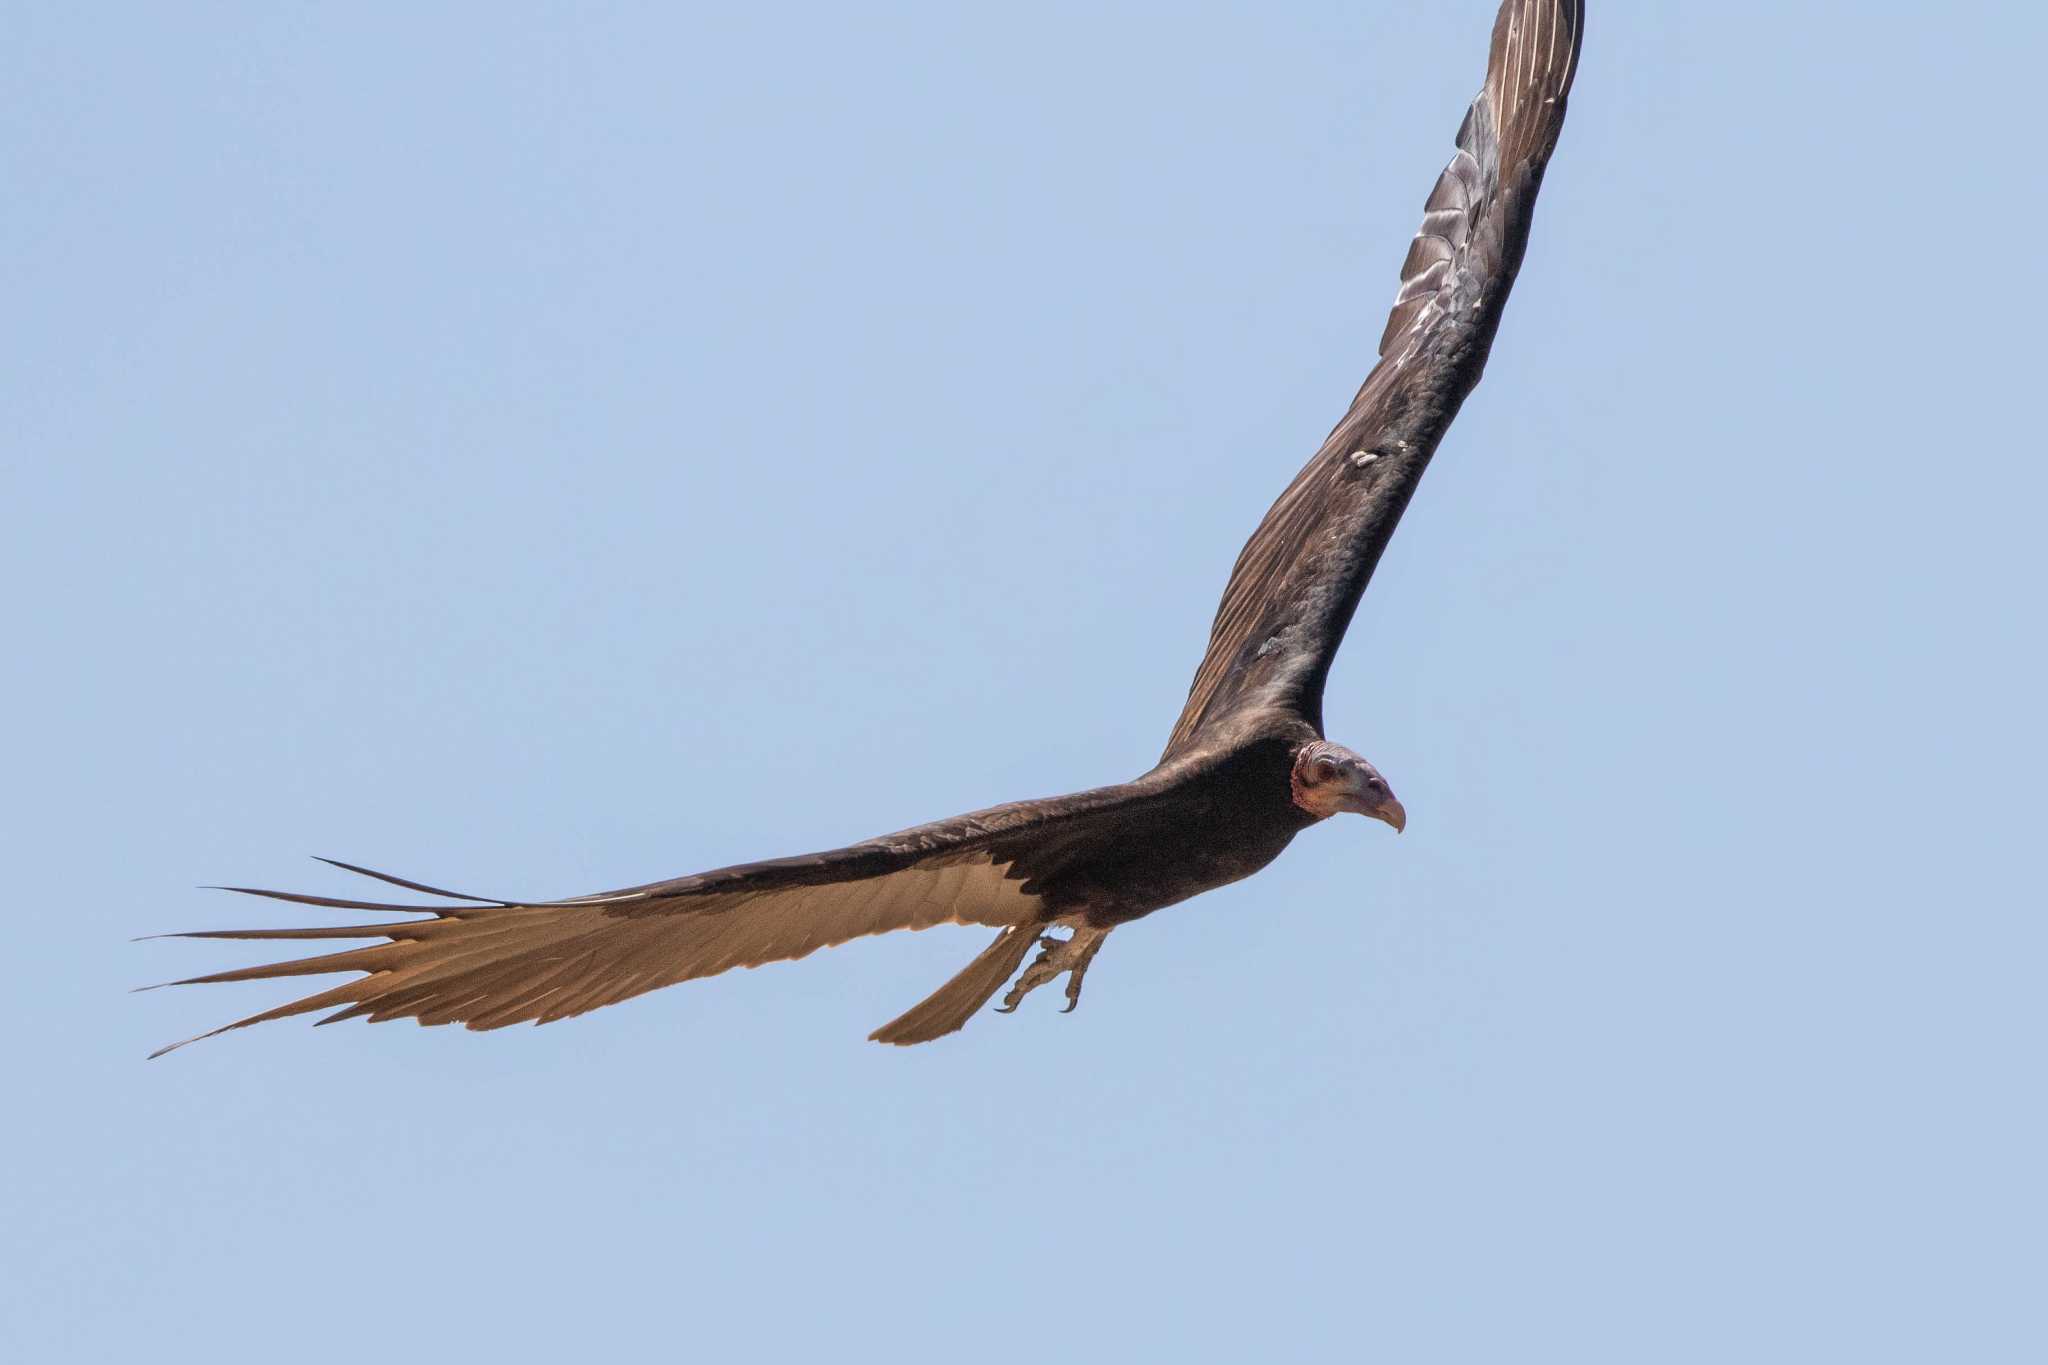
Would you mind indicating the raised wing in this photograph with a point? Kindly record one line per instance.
(1299, 578)
(489, 963)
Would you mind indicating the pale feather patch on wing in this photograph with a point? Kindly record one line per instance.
(495, 965)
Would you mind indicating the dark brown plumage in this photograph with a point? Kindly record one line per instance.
(1245, 770)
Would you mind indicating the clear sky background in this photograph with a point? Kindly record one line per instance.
(546, 449)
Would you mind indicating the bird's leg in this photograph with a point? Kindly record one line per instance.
(1037, 974)
(1086, 944)
(1070, 955)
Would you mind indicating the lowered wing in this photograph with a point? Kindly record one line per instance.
(488, 963)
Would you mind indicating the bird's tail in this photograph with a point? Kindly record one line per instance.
(947, 1009)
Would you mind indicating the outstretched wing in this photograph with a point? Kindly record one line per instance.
(489, 963)
(1299, 578)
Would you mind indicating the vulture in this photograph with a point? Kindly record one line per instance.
(1246, 768)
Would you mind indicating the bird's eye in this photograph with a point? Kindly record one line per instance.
(1326, 770)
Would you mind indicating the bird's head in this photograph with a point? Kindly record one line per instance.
(1329, 778)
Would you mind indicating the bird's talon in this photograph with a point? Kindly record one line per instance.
(1067, 957)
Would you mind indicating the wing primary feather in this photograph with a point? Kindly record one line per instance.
(397, 930)
(335, 902)
(411, 885)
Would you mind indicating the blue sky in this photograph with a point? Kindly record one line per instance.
(551, 449)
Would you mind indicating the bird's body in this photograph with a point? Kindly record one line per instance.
(1221, 816)
(1246, 768)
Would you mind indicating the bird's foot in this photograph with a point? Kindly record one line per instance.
(1070, 955)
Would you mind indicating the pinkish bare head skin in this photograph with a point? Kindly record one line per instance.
(1329, 779)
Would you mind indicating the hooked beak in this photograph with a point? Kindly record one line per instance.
(1392, 811)
(1385, 807)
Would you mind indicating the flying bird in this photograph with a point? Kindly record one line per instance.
(1247, 766)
